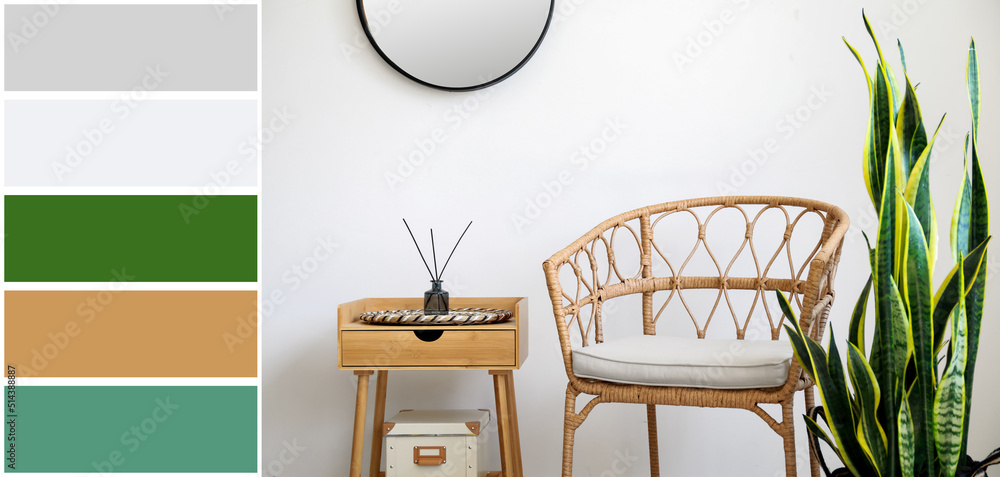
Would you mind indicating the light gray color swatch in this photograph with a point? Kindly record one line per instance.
(55, 47)
(130, 143)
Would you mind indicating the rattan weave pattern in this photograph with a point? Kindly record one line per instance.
(456, 316)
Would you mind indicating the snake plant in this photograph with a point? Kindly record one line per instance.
(901, 406)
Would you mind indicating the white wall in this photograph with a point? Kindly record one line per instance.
(686, 130)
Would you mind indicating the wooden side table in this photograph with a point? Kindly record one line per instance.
(497, 348)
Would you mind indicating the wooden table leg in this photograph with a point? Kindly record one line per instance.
(358, 445)
(381, 383)
(515, 437)
(507, 466)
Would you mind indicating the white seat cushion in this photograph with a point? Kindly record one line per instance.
(691, 362)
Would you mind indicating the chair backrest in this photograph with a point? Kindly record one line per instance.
(726, 246)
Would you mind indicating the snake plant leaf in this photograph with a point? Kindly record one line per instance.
(881, 126)
(819, 432)
(901, 348)
(921, 332)
(833, 394)
(979, 230)
(932, 242)
(890, 343)
(918, 195)
(796, 336)
(910, 128)
(836, 404)
(918, 288)
(948, 294)
(895, 161)
(979, 220)
(949, 401)
(974, 300)
(868, 167)
(972, 76)
(871, 251)
(886, 290)
(885, 242)
(902, 56)
(913, 141)
(837, 383)
(907, 456)
(857, 329)
(961, 216)
(889, 358)
(857, 56)
(871, 33)
(801, 352)
(871, 182)
(897, 91)
(989, 461)
(870, 432)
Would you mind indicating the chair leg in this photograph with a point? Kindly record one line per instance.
(813, 461)
(788, 434)
(569, 429)
(654, 448)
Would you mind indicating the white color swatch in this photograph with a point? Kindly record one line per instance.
(131, 142)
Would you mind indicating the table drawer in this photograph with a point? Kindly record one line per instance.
(384, 348)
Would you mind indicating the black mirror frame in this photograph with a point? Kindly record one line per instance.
(371, 39)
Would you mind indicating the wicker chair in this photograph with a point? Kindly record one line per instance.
(591, 274)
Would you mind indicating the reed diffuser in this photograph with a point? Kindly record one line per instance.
(435, 299)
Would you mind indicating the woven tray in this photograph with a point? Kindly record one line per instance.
(455, 316)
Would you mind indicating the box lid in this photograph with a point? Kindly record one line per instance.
(455, 422)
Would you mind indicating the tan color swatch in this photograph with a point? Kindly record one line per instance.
(114, 333)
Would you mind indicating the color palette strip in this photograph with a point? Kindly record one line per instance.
(103, 429)
(151, 238)
(131, 262)
(115, 333)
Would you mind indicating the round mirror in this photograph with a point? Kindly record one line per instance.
(456, 45)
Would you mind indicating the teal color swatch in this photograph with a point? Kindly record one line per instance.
(104, 429)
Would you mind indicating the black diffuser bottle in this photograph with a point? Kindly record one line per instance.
(435, 299)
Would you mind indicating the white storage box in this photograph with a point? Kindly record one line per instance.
(436, 443)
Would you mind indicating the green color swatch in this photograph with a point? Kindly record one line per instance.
(112, 238)
(104, 429)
